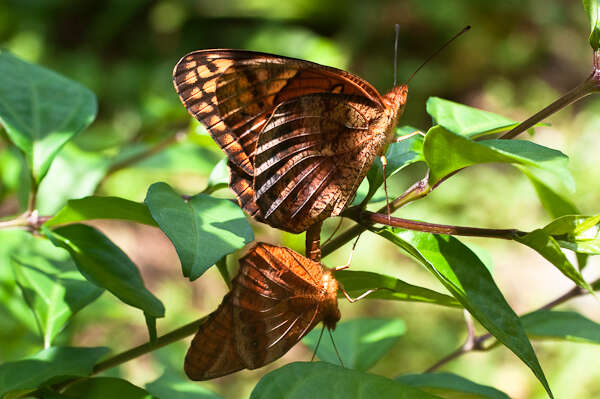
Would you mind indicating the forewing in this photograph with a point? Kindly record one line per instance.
(276, 302)
(234, 92)
(312, 155)
(213, 352)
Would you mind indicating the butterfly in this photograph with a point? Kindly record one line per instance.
(277, 297)
(300, 136)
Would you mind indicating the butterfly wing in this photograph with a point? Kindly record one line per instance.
(234, 92)
(312, 154)
(212, 352)
(277, 300)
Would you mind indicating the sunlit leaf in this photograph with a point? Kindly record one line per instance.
(468, 280)
(203, 229)
(446, 152)
(172, 387)
(357, 283)
(95, 207)
(464, 120)
(592, 7)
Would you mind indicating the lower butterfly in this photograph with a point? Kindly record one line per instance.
(277, 297)
(300, 136)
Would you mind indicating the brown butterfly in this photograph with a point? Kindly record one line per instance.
(277, 297)
(299, 136)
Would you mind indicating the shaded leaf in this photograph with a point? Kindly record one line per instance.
(105, 387)
(49, 366)
(451, 386)
(357, 283)
(469, 281)
(41, 110)
(303, 380)
(106, 265)
(464, 120)
(95, 207)
(203, 229)
(171, 387)
(360, 342)
(570, 326)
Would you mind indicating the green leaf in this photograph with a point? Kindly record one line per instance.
(105, 387)
(73, 174)
(106, 265)
(360, 342)
(451, 386)
(218, 178)
(203, 229)
(446, 152)
(51, 286)
(399, 155)
(469, 281)
(95, 207)
(357, 283)
(544, 244)
(172, 387)
(577, 233)
(303, 380)
(570, 326)
(464, 120)
(41, 110)
(592, 8)
(49, 366)
(552, 200)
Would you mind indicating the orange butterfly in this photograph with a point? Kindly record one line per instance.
(277, 297)
(300, 136)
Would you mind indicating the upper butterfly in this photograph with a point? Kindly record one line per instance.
(300, 136)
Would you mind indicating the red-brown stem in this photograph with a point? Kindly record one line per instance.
(507, 234)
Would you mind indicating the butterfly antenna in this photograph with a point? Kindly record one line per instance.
(466, 28)
(335, 348)
(397, 29)
(317, 346)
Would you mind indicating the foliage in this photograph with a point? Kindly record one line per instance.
(66, 181)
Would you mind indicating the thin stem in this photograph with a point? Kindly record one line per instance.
(507, 234)
(475, 343)
(32, 195)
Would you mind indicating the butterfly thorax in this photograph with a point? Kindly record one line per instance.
(394, 101)
(330, 311)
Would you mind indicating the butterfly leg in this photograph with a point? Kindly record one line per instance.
(387, 199)
(409, 135)
(347, 265)
(358, 298)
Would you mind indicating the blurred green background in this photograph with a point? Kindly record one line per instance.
(518, 57)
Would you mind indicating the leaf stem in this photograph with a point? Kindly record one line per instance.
(476, 343)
